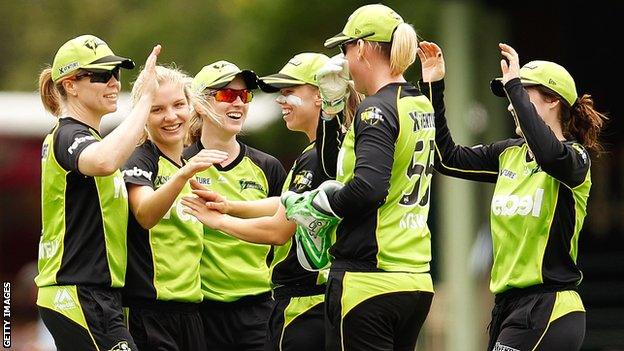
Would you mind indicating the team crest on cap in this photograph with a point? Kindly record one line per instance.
(372, 116)
(220, 65)
(93, 43)
(295, 62)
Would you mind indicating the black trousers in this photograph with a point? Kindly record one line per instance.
(239, 325)
(538, 321)
(102, 328)
(166, 326)
(387, 319)
(297, 323)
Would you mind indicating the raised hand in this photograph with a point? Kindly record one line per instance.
(148, 74)
(510, 64)
(202, 161)
(332, 80)
(432, 61)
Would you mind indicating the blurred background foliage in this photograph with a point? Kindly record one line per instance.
(263, 34)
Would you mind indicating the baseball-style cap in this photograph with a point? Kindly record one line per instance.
(86, 52)
(301, 69)
(544, 73)
(219, 74)
(371, 22)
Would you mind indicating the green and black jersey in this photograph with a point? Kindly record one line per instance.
(163, 262)
(307, 173)
(386, 162)
(83, 239)
(540, 198)
(232, 268)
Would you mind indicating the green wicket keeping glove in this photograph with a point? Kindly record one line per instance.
(315, 224)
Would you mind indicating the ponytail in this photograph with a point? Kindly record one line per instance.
(584, 123)
(351, 106)
(51, 94)
(403, 51)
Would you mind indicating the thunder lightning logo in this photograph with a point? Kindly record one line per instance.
(93, 44)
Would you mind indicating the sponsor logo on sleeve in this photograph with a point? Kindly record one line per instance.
(582, 152)
(372, 116)
(501, 347)
(137, 173)
(79, 141)
(121, 346)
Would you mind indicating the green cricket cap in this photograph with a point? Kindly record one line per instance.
(301, 69)
(86, 52)
(219, 74)
(547, 74)
(371, 22)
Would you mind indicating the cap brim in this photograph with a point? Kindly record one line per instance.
(498, 88)
(111, 61)
(341, 38)
(249, 77)
(496, 85)
(336, 40)
(278, 81)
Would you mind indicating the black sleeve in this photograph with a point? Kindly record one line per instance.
(69, 142)
(276, 176)
(375, 138)
(142, 166)
(479, 162)
(328, 141)
(568, 162)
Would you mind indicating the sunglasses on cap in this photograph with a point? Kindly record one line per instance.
(99, 76)
(230, 95)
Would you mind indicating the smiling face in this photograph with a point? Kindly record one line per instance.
(99, 98)
(301, 108)
(233, 113)
(168, 120)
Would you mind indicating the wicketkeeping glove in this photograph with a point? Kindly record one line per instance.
(315, 224)
(333, 80)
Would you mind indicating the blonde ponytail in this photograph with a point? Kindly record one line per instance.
(403, 51)
(51, 94)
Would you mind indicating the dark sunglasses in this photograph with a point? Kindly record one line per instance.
(230, 95)
(99, 76)
(343, 46)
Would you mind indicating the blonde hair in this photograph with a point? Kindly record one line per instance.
(401, 51)
(202, 107)
(351, 105)
(52, 95)
(164, 74)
